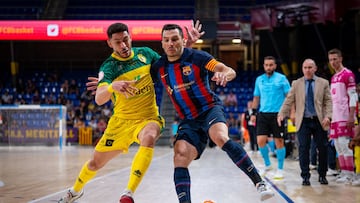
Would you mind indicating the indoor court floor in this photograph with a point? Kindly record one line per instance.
(42, 174)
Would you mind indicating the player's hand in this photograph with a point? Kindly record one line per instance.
(350, 122)
(126, 88)
(253, 118)
(326, 122)
(351, 145)
(194, 33)
(220, 79)
(92, 84)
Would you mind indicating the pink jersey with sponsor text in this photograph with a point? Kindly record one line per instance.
(341, 83)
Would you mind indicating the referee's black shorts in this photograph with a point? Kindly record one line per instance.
(266, 124)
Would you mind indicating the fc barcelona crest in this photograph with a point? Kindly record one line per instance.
(186, 70)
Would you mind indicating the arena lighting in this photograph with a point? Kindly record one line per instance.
(199, 41)
(236, 41)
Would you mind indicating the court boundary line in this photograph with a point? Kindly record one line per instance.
(278, 190)
(96, 179)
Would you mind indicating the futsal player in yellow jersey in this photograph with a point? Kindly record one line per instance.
(125, 79)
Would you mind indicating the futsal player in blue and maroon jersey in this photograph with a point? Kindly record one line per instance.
(185, 75)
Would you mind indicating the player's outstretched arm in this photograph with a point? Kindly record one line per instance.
(223, 74)
(194, 33)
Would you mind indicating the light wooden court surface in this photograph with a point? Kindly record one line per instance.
(42, 174)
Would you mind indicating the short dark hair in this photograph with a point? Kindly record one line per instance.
(269, 58)
(172, 27)
(335, 51)
(115, 28)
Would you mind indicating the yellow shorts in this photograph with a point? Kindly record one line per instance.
(121, 133)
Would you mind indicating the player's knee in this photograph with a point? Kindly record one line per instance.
(220, 139)
(183, 156)
(148, 139)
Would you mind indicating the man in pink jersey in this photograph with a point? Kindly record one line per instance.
(344, 98)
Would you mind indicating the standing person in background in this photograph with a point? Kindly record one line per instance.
(313, 155)
(125, 79)
(332, 166)
(250, 126)
(270, 92)
(310, 96)
(184, 74)
(231, 99)
(344, 97)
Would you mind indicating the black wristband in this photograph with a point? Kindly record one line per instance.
(254, 112)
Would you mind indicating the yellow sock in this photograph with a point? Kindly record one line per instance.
(139, 166)
(84, 176)
(357, 159)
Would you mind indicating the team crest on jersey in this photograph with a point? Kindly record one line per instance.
(186, 70)
(142, 58)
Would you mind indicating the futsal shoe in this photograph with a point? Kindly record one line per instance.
(265, 192)
(126, 197)
(70, 197)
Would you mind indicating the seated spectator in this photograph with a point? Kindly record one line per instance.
(7, 98)
(78, 122)
(70, 116)
(20, 86)
(65, 87)
(73, 88)
(231, 99)
(93, 123)
(30, 87)
(87, 96)
(36, 99)
(69, 104)
(234, 128)
(101, 125)
(106, 111)
(61, 99)
(222, 96)
(50, 99)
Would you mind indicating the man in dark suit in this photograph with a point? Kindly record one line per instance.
(310, 98)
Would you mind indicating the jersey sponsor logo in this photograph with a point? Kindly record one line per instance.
(184, 86)
(186, 70)
(142, 58)
(162, 76)
(143, 90)
(109, 142)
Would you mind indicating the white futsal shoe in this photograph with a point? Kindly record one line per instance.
(265, 192)
(70, 197)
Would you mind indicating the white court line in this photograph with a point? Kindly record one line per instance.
(97, 178)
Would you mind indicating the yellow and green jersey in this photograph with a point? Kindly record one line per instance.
(136, 67)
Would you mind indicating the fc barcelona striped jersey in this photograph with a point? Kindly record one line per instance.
(186, 81)
(136, 67)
